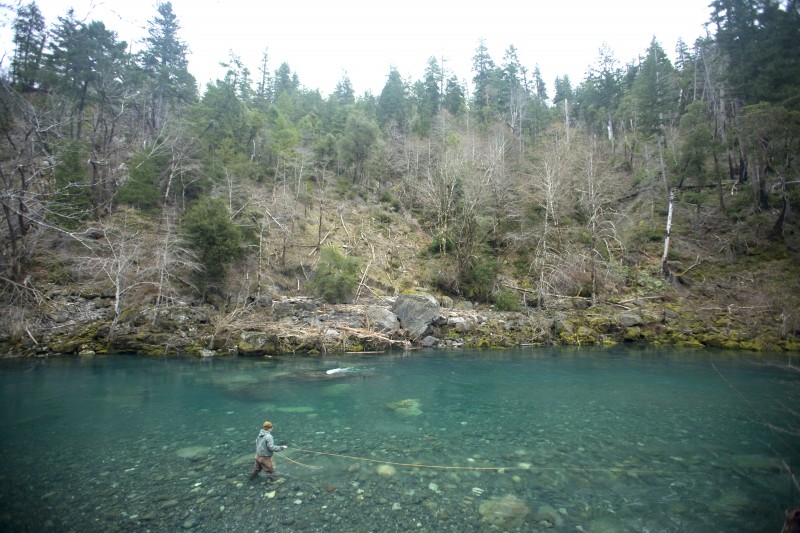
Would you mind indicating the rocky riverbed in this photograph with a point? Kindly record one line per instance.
(85, 324)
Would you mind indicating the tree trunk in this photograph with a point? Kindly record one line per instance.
(664, 264)
(777, 228)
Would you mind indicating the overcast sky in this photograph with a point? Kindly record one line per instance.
(323, 39)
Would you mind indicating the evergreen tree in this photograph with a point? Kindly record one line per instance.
(220, 118)
(433, 81)
(761, 39)
(427, 97)
(392, 103)
(81, 58)
(454, 100)
(237, 76)
(653, 92)
(563, 89)
(539, 86)
(216, 241)
(165, 66)
(360, 135)
(284, 81)
(687, 74)
(344, 94)
(599, 95)
(696, 142)
(29, 42)
(484, 70)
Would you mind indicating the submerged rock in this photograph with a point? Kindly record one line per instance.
(548, 514)
(192, 452)
(408, 407)
(507, 512)
(386, 470)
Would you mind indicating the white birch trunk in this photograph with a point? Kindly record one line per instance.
(664, 266)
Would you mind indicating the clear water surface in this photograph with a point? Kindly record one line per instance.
(573, 440)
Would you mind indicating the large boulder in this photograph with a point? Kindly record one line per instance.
(381, 319)
(506, 513)
(416, 312)
(630, 319)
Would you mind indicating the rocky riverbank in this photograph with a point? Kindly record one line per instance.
(85, 324)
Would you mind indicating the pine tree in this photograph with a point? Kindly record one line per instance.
(29, 41)
(760, 40)
(165, 65)
(654, 91)
(214, 238)
(81, 58)
(600, 94)
(484, 69)
(454, 100)
(563, 89)
(344, 94)
(392, 103)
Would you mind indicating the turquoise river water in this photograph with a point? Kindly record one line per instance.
(533, 440)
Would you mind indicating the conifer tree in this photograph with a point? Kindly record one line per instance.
(29, 42)
(392, 104)
(165, 66)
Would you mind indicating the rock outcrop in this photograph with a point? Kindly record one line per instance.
(416, 311)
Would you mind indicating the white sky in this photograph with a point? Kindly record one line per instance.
(323, 39)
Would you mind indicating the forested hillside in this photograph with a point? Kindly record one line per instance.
(660, 185)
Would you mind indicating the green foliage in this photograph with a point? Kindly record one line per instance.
(164, 63)
(393, 102)
(220, 117)
(336, 277)
(477, 281)
(140, 190)
(647, 283)
(652, 91)
(454, 101)
(29, 40)
(441, 244)
(505, 300)
(71, 199)
(83, 56)
(759, 38)
(697, 140)
(215, 239)
(138, 193)
(646, 232)
(360, 135)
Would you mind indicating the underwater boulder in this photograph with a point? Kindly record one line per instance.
(507, 512)
(408, 407)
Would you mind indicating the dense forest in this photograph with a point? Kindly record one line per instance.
(651, 179)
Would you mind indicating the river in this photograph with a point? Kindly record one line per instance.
(614, 440)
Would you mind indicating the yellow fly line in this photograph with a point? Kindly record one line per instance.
(299, 463)
(484, 468)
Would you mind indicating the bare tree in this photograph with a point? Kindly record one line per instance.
(595, 196)
(550, 186)
(172, 259)
(118, 257)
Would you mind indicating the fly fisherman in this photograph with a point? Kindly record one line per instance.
(265, 447)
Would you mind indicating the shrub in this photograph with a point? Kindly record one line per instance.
(140, 189)
(72, 200)
(441, 243)
(214, 238)
(478, 279)
(336, 277)
(505, 300)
